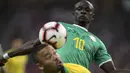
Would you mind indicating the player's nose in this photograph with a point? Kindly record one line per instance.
(83, 11)
(55, 57)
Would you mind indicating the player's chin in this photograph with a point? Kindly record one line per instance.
(83, 22)
(60, 68)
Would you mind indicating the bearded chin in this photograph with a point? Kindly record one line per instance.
(61, 68)
(83, 23)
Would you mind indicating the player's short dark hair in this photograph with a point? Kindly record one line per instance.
(36, 50)
(83, 1)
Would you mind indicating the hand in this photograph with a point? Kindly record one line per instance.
(2, 61)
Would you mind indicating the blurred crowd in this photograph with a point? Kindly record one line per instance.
(23, 18)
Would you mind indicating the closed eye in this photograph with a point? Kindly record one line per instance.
(48, 56)
(88, 9)
(78, 8)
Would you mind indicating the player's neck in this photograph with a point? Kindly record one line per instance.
(83, 24)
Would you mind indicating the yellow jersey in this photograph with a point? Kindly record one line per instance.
(16, 64)
(75, 68)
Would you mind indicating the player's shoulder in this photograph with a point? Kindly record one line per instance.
(66, 24)
(75, 68)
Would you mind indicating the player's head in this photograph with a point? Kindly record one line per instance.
(47, 59)
(16, 43)
(84, 12)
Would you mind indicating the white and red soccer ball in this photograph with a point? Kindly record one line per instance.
(54, 34)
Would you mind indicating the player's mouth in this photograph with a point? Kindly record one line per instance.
(60, 66)
(59, 63)
(83, 17)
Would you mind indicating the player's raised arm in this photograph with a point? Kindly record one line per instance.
(25, 49)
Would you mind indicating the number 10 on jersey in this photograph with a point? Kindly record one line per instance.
(79, 43)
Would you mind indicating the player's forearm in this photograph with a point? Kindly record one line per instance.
(108, 67)
(21, 51)
(25, 49)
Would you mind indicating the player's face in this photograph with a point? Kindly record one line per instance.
(83, 12)
(17, 43)
(49, 59)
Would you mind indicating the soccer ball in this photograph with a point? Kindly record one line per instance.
(54, 34)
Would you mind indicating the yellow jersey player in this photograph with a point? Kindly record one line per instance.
(16, 64)
(49, 61)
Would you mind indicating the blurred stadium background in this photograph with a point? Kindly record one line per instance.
(23, 18)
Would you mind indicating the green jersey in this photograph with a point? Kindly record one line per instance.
(82, 47)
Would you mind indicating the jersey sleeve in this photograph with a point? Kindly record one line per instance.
(102, 56)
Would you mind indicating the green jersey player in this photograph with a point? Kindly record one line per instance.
(82, 47)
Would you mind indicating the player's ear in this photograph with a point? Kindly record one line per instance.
(93, 16)
(40, 66)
